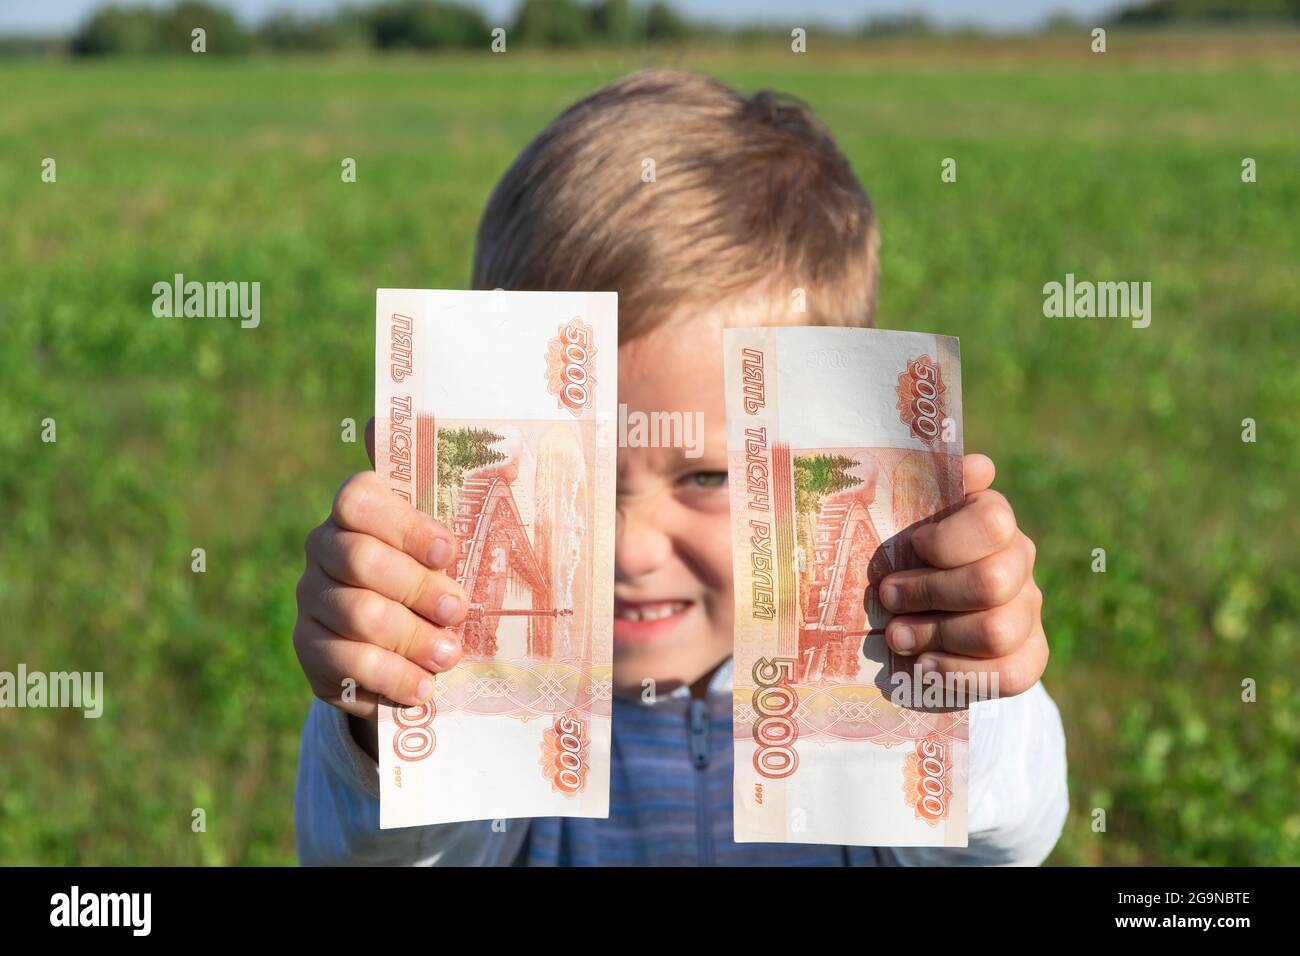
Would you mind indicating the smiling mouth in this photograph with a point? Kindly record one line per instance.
(645, 622)
(647, 610)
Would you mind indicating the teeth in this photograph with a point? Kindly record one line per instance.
(650, 612)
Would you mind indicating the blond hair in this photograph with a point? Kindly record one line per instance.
(747, 192)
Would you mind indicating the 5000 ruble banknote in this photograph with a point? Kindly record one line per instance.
(495, 413)
(840, 443)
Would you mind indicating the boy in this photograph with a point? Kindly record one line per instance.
(750, 200)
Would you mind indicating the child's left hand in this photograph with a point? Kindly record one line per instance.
(976, 608)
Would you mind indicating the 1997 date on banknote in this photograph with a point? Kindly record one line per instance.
(521, 472)
(832, 473)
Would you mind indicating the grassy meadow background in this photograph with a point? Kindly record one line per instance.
(182, 433)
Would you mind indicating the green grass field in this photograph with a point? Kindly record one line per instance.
(175, 434)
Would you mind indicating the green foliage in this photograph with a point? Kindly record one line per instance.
(145, 30)
(1163, 12)
(825, 474)
(664, 25)
(438, 25)
(426, 25)
(465, 449)
(615, 21)
(570, 23)
(816, 476)
(224, 34)
(182, 433)
(899, 25)
(285, 31)
(558, 23)
(121, 30)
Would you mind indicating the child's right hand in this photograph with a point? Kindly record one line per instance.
(373, 597)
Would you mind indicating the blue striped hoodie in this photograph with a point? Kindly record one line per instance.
(671, 766)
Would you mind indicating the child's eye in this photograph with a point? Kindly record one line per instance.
(705, 479)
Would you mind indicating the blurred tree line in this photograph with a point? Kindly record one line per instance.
(392, 24)
(436, 24)
(1171, 12)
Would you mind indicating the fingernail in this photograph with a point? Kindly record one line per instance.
(927, 664)
(425, 690)
(890, 596)
(902, 639)
(440, 552)
(447, 608)
(444, 652)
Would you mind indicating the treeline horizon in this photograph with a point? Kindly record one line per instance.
(125, 29)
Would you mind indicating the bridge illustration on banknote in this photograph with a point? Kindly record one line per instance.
(497, 555)
(838, 521)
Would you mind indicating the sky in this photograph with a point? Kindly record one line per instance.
(47, 17)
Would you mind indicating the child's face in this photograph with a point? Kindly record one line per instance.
(672, 556)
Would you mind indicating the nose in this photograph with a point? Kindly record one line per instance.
(641, 542)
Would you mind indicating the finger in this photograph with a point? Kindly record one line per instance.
(366, 505)
(371, 618)
(1003, 676)
(366, 562)
(983, 525)
(331, 661)
(977, 472)
(370, 440)
(989, 582)
(996, 632)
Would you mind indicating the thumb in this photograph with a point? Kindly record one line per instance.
(978, 472)
(370, 440)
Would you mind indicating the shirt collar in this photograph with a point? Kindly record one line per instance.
(721, 683)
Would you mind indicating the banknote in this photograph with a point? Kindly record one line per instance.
(841, 442)
(496, 412)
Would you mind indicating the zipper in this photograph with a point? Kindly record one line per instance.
(699, 745)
